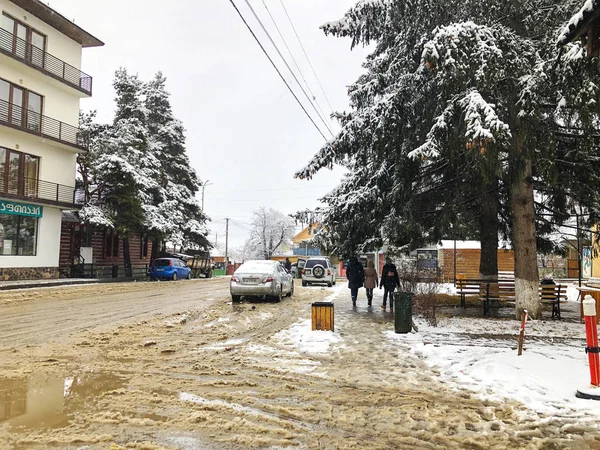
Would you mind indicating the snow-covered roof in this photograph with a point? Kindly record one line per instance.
(590, 9)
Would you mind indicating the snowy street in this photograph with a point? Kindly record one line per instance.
(221, 376)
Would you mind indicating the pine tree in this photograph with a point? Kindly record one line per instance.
(457, 123)
(175, 213)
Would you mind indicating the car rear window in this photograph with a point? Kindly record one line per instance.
(315, 262)
(161, 262)
(258, 267)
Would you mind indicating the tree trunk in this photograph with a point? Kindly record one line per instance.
(523, 218)
(126, 256)
(489, 226)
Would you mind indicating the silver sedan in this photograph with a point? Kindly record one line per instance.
(261, 279)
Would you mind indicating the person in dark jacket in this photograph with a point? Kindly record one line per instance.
(356, 277)
(288, 265)
(389, 281)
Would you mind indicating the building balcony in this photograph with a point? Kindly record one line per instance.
(37, 191)
(37, 124)
(44, 62)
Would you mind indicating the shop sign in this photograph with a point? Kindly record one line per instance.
(20, 209)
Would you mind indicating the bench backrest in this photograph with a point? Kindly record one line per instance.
(552, 291)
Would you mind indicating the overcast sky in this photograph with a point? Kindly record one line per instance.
(245, 132)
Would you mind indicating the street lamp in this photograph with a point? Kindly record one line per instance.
(206, 183)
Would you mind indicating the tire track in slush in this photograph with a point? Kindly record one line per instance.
(37, 321)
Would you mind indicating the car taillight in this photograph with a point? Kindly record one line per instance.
(303, 272)
(235, 280)
(268, 279)
(170, 263)
(328, 272)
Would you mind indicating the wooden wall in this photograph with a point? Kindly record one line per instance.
(467, 262)
(70, 241)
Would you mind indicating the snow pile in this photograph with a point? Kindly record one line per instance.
(480, 355)
(302, 337)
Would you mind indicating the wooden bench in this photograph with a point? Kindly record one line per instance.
(487, 291)
(553, 294)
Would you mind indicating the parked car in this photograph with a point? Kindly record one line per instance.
(170, 269)
(261, 279)
(318, 270)
(297, 268)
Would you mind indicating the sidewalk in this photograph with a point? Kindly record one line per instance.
(31, 284)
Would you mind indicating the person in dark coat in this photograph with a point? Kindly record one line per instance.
(288, 265)
(389, 281)
(356, 277)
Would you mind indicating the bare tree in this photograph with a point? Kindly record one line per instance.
(270, 229)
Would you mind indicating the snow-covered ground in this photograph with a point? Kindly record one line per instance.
(480, 355)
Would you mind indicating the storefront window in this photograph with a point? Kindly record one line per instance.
(18, 235)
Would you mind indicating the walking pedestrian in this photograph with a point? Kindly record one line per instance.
(389, 281)
(356, 277)
(288, 265)
(371, 281)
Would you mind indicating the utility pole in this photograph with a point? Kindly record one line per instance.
(227, 242)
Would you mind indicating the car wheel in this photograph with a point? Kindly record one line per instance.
(236, 298)
(280, 295)
(289, 294)
(174, 277)
(189, 276)
(329, 284)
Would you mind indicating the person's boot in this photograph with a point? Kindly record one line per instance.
(354, 301)
(383, 306)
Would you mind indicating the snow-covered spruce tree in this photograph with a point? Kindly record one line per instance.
(125, 165)
(174, 214)
(462, 101)
(270, 229)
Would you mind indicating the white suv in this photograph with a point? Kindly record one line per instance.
(318, 270)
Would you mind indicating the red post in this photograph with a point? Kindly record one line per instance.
(524, 316)
(591, 331)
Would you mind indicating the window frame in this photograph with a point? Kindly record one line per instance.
(111, 244)
(23, 117)
(21, 180)
(17, 247)
(29, 29)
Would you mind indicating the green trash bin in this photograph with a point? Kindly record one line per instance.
(403, 312)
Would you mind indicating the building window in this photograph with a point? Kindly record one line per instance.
(19, 173)
(18, 235)
(144, 247)
(20, 107)
(111, 244)
(24, 41)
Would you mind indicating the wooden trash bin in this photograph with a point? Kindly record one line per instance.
(595, 293)
(322, 316)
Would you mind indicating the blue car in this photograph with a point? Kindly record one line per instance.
(169, 269)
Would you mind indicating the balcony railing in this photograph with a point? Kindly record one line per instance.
(23, 119)
(22, 188)
(45, 62)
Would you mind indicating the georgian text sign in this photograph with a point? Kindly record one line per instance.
(20, 209)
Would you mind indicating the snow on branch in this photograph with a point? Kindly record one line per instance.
(588, 7)
(481, 119)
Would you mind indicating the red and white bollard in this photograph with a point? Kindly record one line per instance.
(592, 350)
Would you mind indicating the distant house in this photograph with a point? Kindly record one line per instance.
(585, 25)
(465, 256)
(303, 242)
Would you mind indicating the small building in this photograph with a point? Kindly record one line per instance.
(41, 84)
(302, 242)
(585, 26)
(465, 256)
(97, 252)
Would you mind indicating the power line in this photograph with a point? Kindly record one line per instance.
(323, 115)
(306, 54)
(280, 75)
(287, 65)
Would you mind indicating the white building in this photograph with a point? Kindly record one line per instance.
(41, 85)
